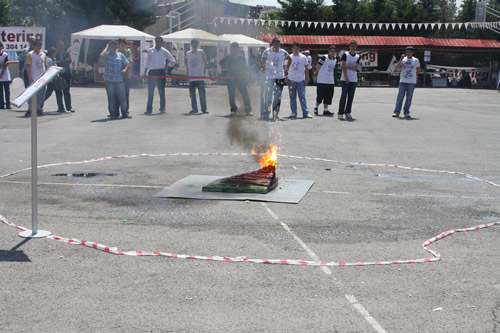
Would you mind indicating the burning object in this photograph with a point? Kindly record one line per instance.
(261, 181)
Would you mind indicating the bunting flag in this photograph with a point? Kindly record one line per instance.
(361, 25)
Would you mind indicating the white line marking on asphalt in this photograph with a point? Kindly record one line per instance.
(354, 302)
(415, 195)
(361, 309)
(74, 184)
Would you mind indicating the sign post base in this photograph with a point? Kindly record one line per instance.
(38, 234)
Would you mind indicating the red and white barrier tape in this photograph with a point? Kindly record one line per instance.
(114, 250)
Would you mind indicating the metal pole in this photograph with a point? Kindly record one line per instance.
(34, 233)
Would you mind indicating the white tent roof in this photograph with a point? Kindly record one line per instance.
(186, 35)
(243, 40)
(113, 32)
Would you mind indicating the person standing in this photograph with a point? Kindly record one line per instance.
(57, 84)
(123, 49)
(410, 67)
(23, 74)
(115, 64)
(63, 59)
(155, 66)
(36, 65)
(298, 73)
(307, 53)
(234, 65)
(326, 81)
(272, 62)
(196, 64)
(4, 79)
(348, 80)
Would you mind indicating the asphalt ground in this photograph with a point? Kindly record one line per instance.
(353, 213)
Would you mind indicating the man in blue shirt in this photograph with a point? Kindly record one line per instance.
(115, 63)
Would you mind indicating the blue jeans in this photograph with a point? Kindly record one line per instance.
(192, 93)
(116, 97)
(348, 91)
(273, 89)
(404, 88)
(298, 88)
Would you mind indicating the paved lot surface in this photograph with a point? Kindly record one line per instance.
(352, 214)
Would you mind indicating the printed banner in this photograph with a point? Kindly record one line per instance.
(76, 43)
(16, 38)
(368, 58)
(476, 74)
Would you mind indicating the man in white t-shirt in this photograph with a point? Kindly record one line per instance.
(272, 63)
(348, 80)
(196, 64)
(325, 82)
(410, 67)
(298, 73)
(36, 65)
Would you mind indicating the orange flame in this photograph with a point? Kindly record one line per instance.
(269, 158)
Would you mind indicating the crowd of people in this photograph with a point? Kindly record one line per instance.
(278, 68)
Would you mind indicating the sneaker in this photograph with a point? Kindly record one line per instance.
(193, 112)
(327, 113)
(307, 116)
(162, 110)
(249, 113)
(63, 111)
(204, 112)
(340, 116)
(407, 116)
(71, 110)
(293, 116)
(148, 112)
(27, 114)
(232, 114)
(39, 113)
(316, 111)
(127, 116)
(348, 116)
(395, 115)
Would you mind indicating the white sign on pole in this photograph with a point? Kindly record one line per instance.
(427, 56)
(16, 38)
(36, 86)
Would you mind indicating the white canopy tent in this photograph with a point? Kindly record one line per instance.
(245, 42)
(206, 39)
(104, 32)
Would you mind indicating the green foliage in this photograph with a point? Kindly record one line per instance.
(382, 11)
(62, 17)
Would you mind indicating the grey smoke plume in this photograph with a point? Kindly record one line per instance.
(241, 133)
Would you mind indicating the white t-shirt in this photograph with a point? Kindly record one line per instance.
(409, 70)
(309, 62)
(38, 62)
(6, 75)
(196, 65)
(274, 63)
(325, 74)
(296, 71)
(350, 60)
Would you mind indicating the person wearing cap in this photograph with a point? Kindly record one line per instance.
(272, 63)
(298, 74)
(234, 65)
(156, 62)
(348, 80)
(410, 67)
(307, 53)
(326, 81)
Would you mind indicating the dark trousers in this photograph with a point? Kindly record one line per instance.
(160, 84)
(26, 79)
(59, 96)
(242, 87)
(347, 94)
(4, 87)
(66, 94)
